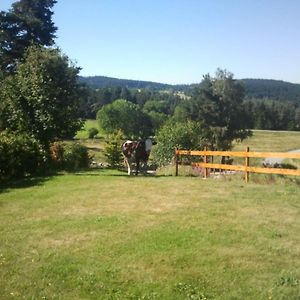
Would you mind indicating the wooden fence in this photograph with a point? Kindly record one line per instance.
(246, 168)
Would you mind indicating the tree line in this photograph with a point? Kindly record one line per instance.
(259, 113)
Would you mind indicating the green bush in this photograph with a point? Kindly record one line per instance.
(75, 156)
(112, 150)
(188, 135)
(57, 155)
(93, 132)
(20, 155)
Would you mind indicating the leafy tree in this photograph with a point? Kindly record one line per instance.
(218, 102)
(112, 149)
(126, 116)
(159, 106)
(188, 135)
(27, 22)
(272, 115)
(157, 119)
(41, 97)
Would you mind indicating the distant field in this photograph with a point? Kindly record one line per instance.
(83, 133)
(103, 235)
(271, 141)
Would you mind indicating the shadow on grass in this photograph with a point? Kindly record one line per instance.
(7, 185)
(108, 172)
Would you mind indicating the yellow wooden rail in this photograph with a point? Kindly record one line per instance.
(245, 168)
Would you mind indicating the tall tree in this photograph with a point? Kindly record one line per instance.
(41, 97)
(218, 103)
(27, 22)
(126, 116)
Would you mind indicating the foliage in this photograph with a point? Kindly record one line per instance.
(126, 116)
(159, 106)
(41, 98)
(218, 102)
(68, 156)
(93, 132)
(20, 155)
(112, 150)
(157, 119)
(92, 100)
(188, 135)
(272, 115)
(56, 152)
(26, 23)
(75, 156)
(272, 89)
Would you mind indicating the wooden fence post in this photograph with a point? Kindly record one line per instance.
(246, 165)
(205, 161)
(176, 162)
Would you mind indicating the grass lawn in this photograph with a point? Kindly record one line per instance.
(103, 235)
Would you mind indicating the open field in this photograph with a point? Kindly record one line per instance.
(103, 235)
(83, 133)
(271, 141)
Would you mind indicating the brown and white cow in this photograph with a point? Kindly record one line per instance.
(136, 152)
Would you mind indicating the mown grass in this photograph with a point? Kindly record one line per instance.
(103, 235)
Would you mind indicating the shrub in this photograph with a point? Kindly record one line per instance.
(188, 135)
(112, 150)
(57, 155)
(93, 132)
(20, 155)
(75, 156)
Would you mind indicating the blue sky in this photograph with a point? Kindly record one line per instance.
(178, 41)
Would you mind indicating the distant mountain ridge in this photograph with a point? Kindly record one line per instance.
(98, 82)
(254, 88)
(272, 89)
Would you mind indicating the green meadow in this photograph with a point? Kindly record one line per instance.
(270, 141)
(103, 235)
(100, 234)
(88, 124)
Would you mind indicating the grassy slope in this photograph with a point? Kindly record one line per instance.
(104, 235)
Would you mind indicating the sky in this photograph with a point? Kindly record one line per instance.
(179, 41)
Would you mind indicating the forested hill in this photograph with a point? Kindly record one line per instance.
(272, 89)
(255, 88)
(98, 82)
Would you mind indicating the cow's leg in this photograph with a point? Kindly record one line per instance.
(128, 166)
(137, 167)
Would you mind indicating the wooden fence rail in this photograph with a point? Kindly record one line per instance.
(246, 168)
